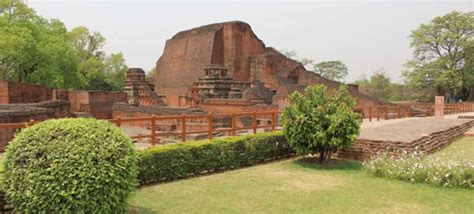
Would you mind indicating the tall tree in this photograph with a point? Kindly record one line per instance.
(33, 49)
(333, 70)
(151, 74)
(441, 54)
(378, 86)
(41, 51)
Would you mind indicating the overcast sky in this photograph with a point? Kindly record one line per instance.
(363, 35)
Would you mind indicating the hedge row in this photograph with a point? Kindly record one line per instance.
(171, 162)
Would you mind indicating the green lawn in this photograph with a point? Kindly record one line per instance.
(296, 186)
(461, 149)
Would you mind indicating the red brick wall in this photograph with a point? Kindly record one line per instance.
(20, 113)
(12, 92)
(101, 103)
(235, 106)
(364, 149)
(182, 63)
(98, 103)
(126, 111)
(271, 66)
(240, 44)
(189, 52)
(235, 45)
(79, 101)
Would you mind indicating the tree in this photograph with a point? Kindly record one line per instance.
(100, 71)
(115, 70)
(150, 75)
(333, 70)
(40, 51)
(469, 69)
(379, 86)
(316, 122)
(441, 52)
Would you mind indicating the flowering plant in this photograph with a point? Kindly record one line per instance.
(415, 167)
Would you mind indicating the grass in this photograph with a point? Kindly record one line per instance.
(301, 186)
(461, 149)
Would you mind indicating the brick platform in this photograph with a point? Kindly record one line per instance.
(425, 134)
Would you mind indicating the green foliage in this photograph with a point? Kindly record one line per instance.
(317, 122)
(171, 162)
(151, 74)
(416, 168)
(40, 51)
(441, 50)
(70, 166)
(333, 70)
(379, 86)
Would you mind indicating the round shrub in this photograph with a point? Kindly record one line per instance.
(319, 121)
(70, 166)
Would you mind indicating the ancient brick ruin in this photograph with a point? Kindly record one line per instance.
(391, 140)
(21, 102)
(140, 91)
(219, 68)
(12, 92)
(226, 64)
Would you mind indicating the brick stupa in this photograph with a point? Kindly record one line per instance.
(236, 47)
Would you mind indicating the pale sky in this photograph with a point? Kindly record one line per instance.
(365, 35)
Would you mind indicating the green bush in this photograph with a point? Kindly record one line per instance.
(415, 167)
(171, 162)
(317, 122)
(70, 166)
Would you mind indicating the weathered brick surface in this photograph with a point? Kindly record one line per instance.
(363, 149)
(101, 103)
(12, 92)
(123, 110)
(235, 106)
(19, 113)
(98, 103)
(234, 45)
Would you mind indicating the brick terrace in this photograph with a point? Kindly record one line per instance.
(424, 134)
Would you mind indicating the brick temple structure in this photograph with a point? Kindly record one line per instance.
(139, 90)
(224, 65)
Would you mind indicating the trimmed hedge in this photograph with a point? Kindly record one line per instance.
(171, 162)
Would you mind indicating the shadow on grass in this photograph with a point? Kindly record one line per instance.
(334, 164)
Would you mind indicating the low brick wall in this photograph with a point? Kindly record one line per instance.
(125, 110)
(13, 92)
(22, 113)
(226, 106)
(97, 103)
(364, 149)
